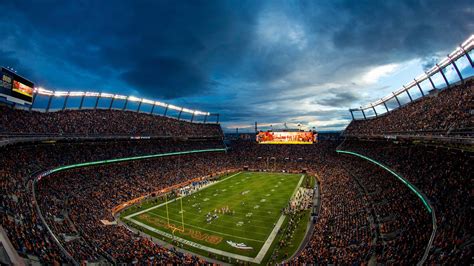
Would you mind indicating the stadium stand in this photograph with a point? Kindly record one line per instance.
(366, 215)
(99, 123)
(447, 112)
(444, 175)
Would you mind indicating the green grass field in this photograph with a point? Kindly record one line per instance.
(255, 201)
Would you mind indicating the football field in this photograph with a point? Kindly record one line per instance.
(239, 216)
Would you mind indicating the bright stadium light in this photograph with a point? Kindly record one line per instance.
(120, 97)
(106, 95)
(77, 93)
(134, 99)
(43, 91)
(60, 93)
(92, 94)
(174, 107)
(161, 104)
(147, 101)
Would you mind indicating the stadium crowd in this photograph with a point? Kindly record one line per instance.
(366, 214)
(449, 110)
(445, 176)
(99, 122)
(18, 214)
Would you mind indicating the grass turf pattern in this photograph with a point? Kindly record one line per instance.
(255, 201)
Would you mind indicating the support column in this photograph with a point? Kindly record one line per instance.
(373, 108)
(49, 103)
(111, 103)
(468, 57)
(125, 105)
(205, 118)
(82, 102)
(65, 102)
(152, 108)
(139, 105)
(386, 108)
(352, 114)
(444, 76)
(180, 112)
(419, 87)
(457, 71)
(396, 98)
(33, 100)
(363, 113)
(192, 117)
(431, 81)
(96, 102)
(408, 93)
(217, 122)
(166, 110)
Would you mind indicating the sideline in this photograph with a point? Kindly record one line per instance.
(175, 199)
(261, 254)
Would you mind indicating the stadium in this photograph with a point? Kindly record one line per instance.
(106, 178)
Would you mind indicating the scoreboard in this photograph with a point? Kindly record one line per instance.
(16, 88)
(285, 137)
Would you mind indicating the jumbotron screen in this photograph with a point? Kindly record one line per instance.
(14, 86)
(286, 137)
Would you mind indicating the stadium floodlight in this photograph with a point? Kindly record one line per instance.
(77, 93)
(147, 101)
(134, 99)
(201, 113)
(45, 92)
(60, 93)
(121, 97)
(92, 94)
(106, 95)
(161, 104)
(186, 110)
(174, 107)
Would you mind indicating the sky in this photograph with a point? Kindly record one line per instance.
(271, 62)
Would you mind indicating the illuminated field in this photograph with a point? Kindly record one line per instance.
(254, 201)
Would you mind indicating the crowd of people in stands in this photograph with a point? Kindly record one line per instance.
(18, 215)
(99, 122)
(449, 111)
(445, 177)
(366, 215)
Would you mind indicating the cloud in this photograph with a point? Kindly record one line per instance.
(266, 61)
(338, 99)
(374, 74)
(166, 77)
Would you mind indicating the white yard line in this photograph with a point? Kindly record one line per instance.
(162, 204)
(261, 254)
(204, 229)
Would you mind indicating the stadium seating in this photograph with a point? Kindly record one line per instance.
(444, 175)
(447, 112)
(99, 123)
(366, 214)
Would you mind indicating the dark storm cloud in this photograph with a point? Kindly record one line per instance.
(167, 77)
(338, 99)
(248, 60)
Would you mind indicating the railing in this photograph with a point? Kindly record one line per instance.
(446, 70)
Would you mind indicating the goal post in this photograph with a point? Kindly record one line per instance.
(172, 227)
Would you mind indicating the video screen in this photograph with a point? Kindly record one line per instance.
(286, 137)
(22, 89)
(14, 87)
